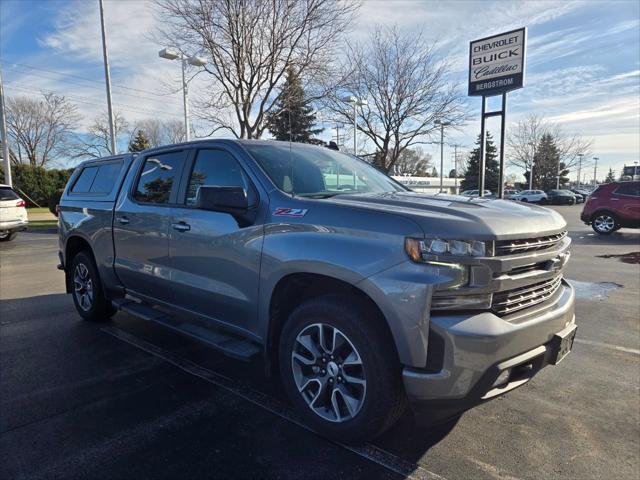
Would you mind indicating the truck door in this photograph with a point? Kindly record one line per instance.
(214, 261)
(141, 224)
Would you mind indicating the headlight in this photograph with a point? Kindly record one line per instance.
(417, 249)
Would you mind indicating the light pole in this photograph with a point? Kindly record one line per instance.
(5, 139)
(107, 77)
(357, 102)
(580, 155)
(595, 170)
(442, 125)
(173, 54)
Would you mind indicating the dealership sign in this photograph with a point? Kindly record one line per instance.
(496, 63)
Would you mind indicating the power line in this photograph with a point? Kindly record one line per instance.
(57, 72)
(97, 87)
(92, 102)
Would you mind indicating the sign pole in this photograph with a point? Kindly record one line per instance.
(503, 119)
(483, 135)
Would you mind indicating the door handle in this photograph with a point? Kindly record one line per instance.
(122, 219)
(181, 226)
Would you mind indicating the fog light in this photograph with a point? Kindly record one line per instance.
(503, 378)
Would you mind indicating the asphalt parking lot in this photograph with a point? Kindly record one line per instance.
(128, 399)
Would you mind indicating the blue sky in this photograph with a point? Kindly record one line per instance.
(583, 64)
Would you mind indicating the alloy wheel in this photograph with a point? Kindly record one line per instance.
(328, 372)
(83, 286)
(604, 223)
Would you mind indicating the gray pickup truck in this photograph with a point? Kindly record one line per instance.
(361, 295)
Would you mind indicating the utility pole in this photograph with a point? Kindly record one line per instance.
(533, 156)
(595, 170)
(442, 125)
(107, 77)
(5, 138)
(455, 169)
(580, 155)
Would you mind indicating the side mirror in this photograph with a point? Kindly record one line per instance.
(231, 200)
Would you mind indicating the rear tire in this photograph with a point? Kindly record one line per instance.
(7, 237)
(348, 389)
(88, 295)
(525, 200)
(604, 223)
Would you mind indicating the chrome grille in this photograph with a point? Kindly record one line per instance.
(508, 247)
(510, 301)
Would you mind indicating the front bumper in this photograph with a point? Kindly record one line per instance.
(476, 348)
(14, 225)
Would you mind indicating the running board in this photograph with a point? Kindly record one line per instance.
(230, 345)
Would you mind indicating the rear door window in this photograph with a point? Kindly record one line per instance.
(159, 177)
(631, 189)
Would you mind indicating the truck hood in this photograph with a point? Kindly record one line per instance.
(455, 216)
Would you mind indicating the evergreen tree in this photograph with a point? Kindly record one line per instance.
(492, 167)
(611, 177)
(293, 117)
(139, 142)
(547, 165)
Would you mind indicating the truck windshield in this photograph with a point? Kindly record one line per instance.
(318, 172)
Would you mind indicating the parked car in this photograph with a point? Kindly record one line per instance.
(475, 193)
(612, 206)
(13, 214)
(364, 293)
(531, 196)
(559, 197)
(581, 195)
(511, 194)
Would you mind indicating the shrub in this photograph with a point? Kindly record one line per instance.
(37, 184)
(54, 200)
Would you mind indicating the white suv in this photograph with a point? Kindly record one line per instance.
(532, 196)
(13, 214)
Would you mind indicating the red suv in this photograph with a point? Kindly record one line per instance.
(613, 206)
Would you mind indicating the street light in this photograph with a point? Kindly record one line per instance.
(442, 125)
(173, 54)
(595, 170)
(357, 102)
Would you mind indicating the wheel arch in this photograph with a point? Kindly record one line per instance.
(295, 288)
(73, 245)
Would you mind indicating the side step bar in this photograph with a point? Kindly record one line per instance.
(230, 345)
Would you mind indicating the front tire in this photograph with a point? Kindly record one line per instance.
(88, 295)
(340, 369)
(604, 223)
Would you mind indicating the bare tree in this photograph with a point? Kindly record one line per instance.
(407, 91)
(161, 132)
(40, 129)
(250, 44)
(524, 139)
(96, 143)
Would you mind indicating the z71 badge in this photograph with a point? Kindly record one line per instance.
(289, 212)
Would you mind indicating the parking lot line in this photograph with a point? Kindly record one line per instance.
(607, 345)
(372, 453)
